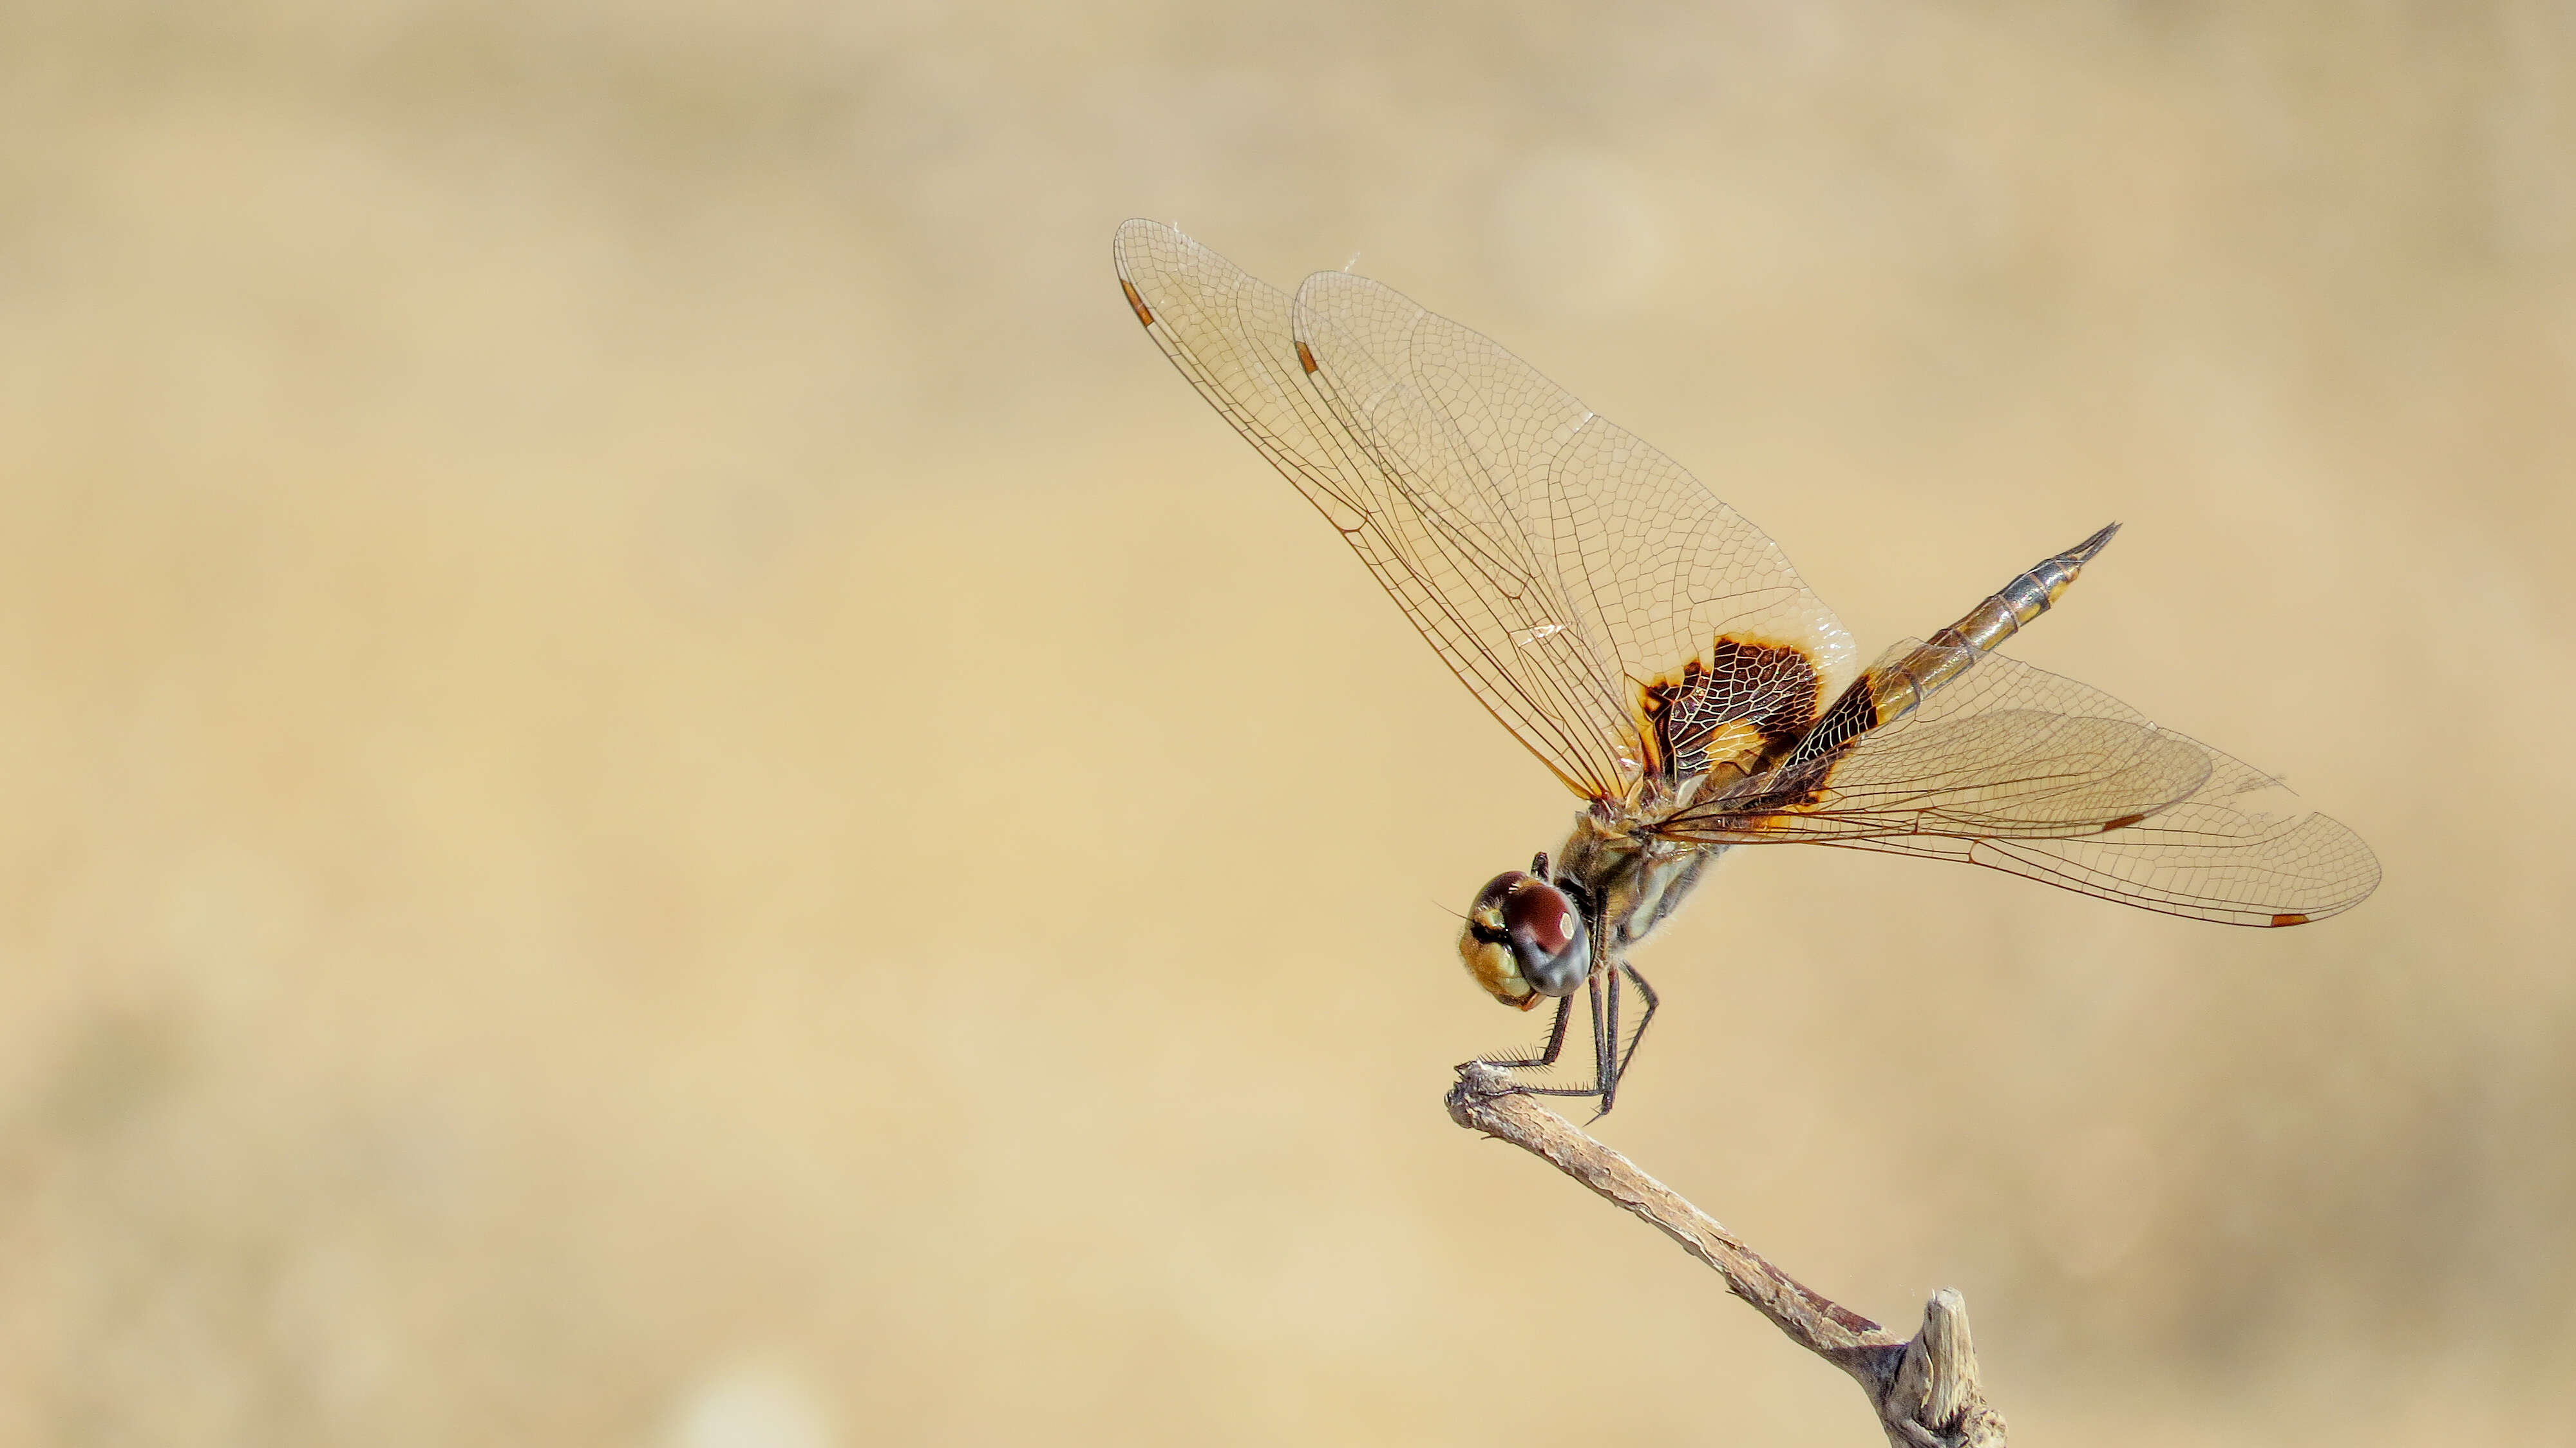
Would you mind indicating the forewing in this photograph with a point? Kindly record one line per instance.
(2022, 770)
(1555, 563)
(1559, 550)
(1228, 333)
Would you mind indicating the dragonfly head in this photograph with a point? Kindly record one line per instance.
(1524, 939)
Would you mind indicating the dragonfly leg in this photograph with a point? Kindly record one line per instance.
(1556, 1047)
(1643, 1021)
(1605, 1044)
(1547, 1054)
(1608, 1060)
(1600, 1042)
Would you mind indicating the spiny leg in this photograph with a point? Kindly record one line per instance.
(1555, 1042)
(1648, 1019)
(1592, 989)
(1611, 1057)
(1555, 1047)
(1606, 1073)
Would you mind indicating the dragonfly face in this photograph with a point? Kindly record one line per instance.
(1525, 939)
(1665, 662)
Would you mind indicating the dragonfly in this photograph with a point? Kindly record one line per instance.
(1658, 653)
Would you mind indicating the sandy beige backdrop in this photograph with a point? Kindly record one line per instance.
(660, 786)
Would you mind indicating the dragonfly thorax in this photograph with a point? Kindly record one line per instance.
(1543, 931)
(1628, 879)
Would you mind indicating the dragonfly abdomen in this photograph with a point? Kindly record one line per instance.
(1898, 689)
(1892, 689)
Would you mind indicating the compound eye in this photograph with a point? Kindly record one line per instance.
(1539, 917)
(1489, 901)
(1547, 936)
(1524, 939)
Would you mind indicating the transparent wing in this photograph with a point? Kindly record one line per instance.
(1560, 566)
(2025, 771)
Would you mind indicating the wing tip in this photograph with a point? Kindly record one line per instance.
(1142, 236)
(1129, 236)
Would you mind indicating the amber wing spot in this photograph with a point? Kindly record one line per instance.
(1305, 358)
(2122, 823)
(1138, 303)
(2290, 919)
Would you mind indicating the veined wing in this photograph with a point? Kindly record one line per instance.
(1563, 569)
(2022, 770)
(1552, 535)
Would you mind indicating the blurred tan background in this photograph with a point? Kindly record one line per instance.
(662, 787)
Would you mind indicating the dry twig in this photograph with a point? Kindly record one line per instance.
(1924, 1388)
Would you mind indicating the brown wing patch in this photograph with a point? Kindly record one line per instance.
(2124, 821)
(2290, 919)
(1136, 301)
(1305, 358)
(1852, 715)
(1743, 708)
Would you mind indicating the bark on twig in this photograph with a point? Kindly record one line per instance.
(1924, 1388)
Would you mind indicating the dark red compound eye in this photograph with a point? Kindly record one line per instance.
(1537, 939)
(1538, 913)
